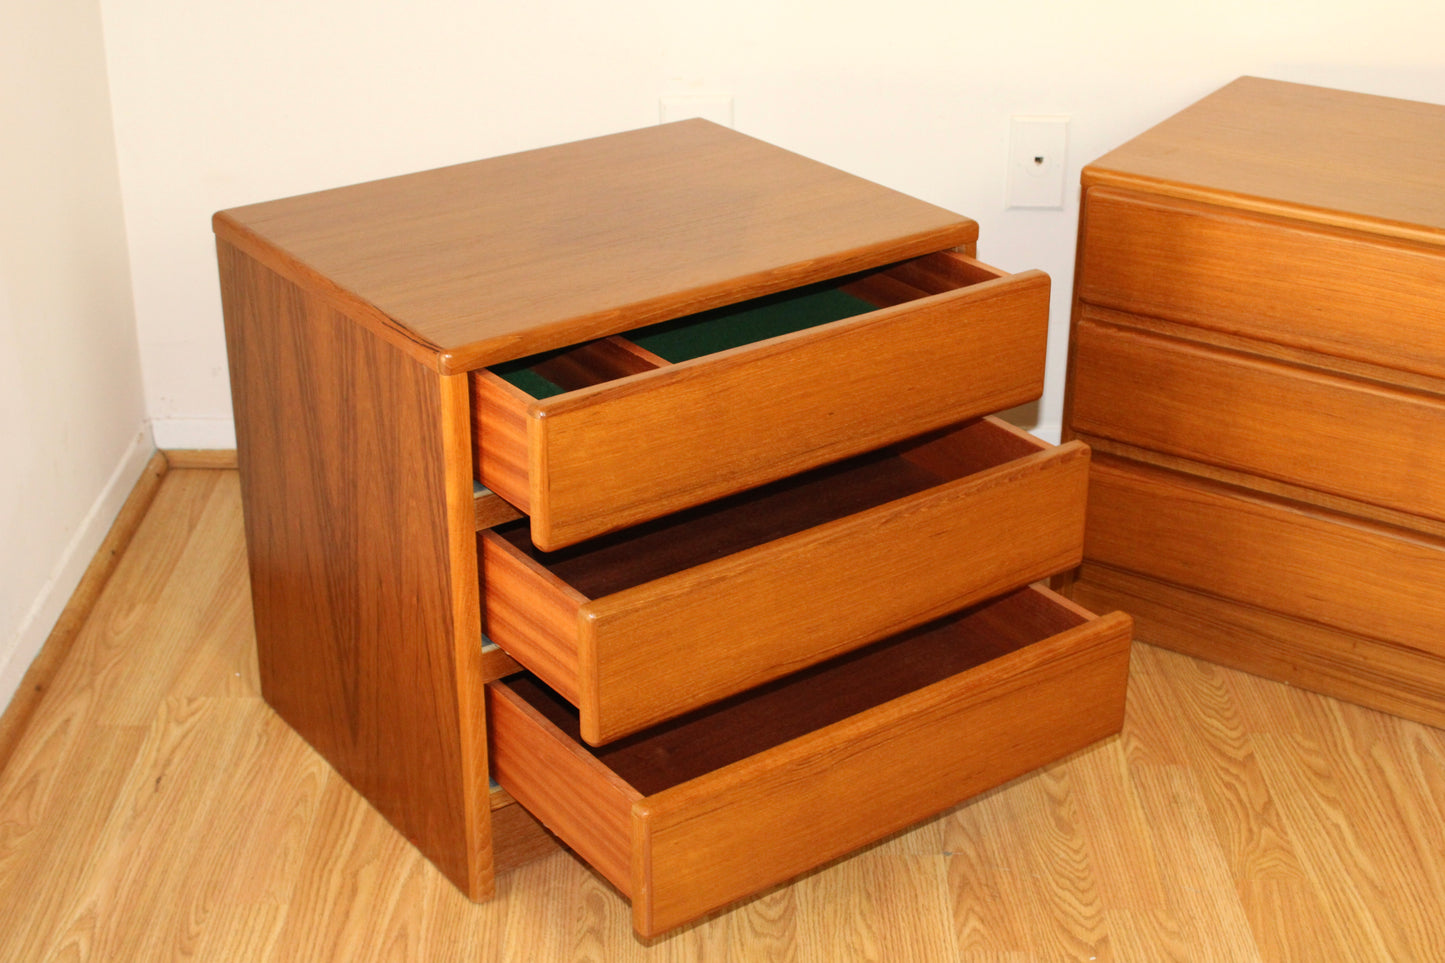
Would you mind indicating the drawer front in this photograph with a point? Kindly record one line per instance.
(610, 455)
(1308, 564)
(683, 639)
(1324, 432)
(1053, 681)
(1341, 294)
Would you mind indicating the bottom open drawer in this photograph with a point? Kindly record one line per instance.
(692, 815)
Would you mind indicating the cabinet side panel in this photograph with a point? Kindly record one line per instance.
(471, 667)
(342, 443)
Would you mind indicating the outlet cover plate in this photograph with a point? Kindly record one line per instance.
(1037, 150)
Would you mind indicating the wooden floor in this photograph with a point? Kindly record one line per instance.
(155, 809)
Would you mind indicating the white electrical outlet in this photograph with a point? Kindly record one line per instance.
(1037, 148)
(717, 108)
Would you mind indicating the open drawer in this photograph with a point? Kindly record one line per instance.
(646, 624)
(614, 432)
(688, 817)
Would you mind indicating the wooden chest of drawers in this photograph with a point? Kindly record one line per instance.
(1258, 361)
(696, 431)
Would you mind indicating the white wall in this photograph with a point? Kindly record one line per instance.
(221, 104)
(72, 409)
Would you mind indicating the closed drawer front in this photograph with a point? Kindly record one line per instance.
(647, 624)
(1324, 432)
(687, 818)
(640, 428)
(1310, 564)
(1341, 294)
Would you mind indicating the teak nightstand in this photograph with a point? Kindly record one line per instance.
(1258, 362)
(772, 591)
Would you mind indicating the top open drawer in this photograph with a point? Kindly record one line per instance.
(614, 432)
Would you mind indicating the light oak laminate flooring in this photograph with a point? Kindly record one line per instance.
(155, 809)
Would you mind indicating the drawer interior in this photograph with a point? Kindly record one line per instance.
(734, 326)
(653, 550)
(758, 720)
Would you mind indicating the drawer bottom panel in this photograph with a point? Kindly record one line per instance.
(690, 816)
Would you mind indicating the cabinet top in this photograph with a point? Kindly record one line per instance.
(1350, 160)
(478, 263)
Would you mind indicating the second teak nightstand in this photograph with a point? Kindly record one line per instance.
(1258, 361)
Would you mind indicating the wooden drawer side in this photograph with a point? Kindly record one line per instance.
(841, 787)
(1331, 291)
(531, 610)
(500, 450)
(568, 790)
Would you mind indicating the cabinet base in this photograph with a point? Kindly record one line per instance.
(1402, 681)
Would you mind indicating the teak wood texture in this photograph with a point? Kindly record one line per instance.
(1396, 678)
(470, 265)
(1290, 283)
(1310, 154)
(1258, 358)
(1243, 412)
(646, 626)
(1352, 575)
(363, 567)
(155, 809)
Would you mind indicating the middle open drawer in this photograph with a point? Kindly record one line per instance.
(688, 816)
(644, 625)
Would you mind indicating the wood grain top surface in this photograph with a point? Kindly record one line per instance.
(1346, 159)
(500, 258)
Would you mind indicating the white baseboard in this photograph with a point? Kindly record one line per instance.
(185, 434)
(21, 649)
